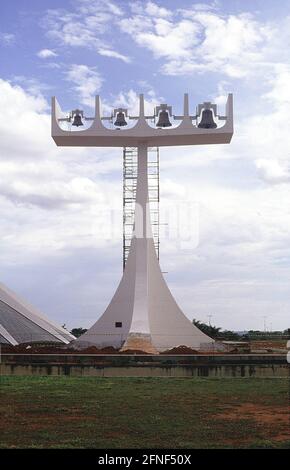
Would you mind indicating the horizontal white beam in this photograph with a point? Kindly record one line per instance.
(97, 135)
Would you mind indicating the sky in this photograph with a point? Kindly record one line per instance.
(61, 208)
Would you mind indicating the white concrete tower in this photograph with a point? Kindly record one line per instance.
(143, 314)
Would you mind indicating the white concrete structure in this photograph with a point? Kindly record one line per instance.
(186, 133)
(143, 314)
(22, 323)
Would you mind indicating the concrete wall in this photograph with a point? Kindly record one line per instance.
(234, 370)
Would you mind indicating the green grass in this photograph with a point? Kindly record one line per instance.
(67, 412)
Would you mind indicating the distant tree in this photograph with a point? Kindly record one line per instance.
(228, 335)
(209, 330)
(216, 332)
(265, 335)
(77, 332)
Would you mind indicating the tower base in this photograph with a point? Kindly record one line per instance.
(139, 342)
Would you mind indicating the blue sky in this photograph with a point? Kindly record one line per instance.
(55, 203)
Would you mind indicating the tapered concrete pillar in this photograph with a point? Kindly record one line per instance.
(139, 335)
(143, 314)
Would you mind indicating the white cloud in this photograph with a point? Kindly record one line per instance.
(196, 39)
(51, 65)
(165, 39)
(150, 8)
(116, 55)
(274, 171)
(153, 9)
(279, 94)
(203, 6)
(199, 40)
(130, 100)
(87, 82)
(232, 43)
(240, 267)
(51, 198)
(186, 41)
(95, 7)
(7, 39)
(87, 25)
(46, 54)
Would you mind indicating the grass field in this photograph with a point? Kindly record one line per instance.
(65, 412)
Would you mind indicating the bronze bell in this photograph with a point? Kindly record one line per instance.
(207, 121)
(163, 120)
(77, 120)
(120, 119)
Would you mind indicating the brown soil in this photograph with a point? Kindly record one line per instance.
(268, 344)
(180, 350)
(56, 349)
(95, 350)
(36, 349)
(275, 418)
(133, 351)
(24, 349)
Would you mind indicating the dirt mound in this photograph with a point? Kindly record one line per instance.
(57, 349)
(95, 350)
(54, 349)
(133, 351)
(36, 349)
(180, 350)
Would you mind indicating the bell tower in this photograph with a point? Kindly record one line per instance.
(143, 315)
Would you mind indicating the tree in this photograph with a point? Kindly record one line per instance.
(215, 332)
(228, 335)
(77, 332)
(209, 330)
